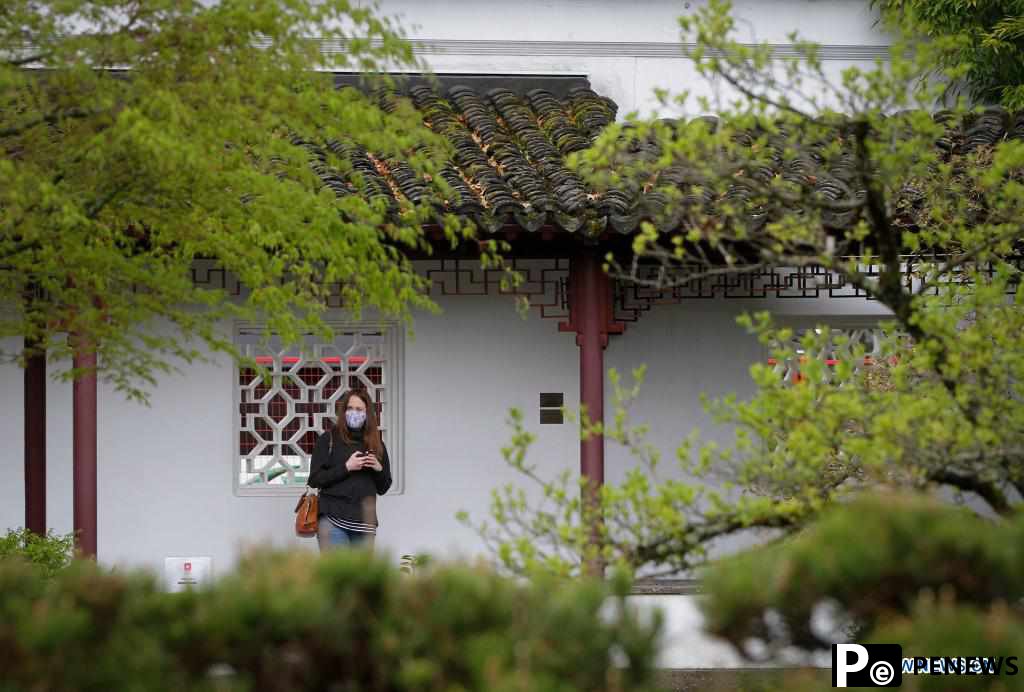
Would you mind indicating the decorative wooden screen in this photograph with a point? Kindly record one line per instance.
(832, 353)
(282, 412)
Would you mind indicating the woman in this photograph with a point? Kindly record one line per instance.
(350, 466)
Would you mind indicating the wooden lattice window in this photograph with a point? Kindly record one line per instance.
(281, 412)
(868, 336)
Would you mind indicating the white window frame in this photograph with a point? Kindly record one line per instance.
(394, 348)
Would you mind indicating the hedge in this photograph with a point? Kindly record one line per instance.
(294, 621)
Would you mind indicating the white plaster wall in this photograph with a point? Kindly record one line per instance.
(696, 348)
(463, 372)
(836, 22)
(12, 432)
(165, 483)
(165, 471)
(688, 349)
(625, 49)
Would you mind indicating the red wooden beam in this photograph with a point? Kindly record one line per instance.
(35, 439)
(84, 450)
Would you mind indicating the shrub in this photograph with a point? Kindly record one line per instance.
(51, 552)
(292, 621)
(900, 569)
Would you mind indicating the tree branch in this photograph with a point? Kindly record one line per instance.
(963, 258)
(743, 89)
(987, 491)
(50, 119)
(23, 246)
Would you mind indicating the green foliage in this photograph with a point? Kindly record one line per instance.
(855, 177)
(296, 622)
(139, 138)
(51, 552)
(938, 224)
(984, 36)
(648, 521)
(412, 563)
(935, 579)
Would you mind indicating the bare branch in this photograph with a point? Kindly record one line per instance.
(761, 98)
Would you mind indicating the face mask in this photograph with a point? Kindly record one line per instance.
(355, 419)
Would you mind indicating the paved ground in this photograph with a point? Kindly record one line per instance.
(723, 679)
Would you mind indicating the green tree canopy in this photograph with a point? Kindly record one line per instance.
(137, 138)
(984, 41)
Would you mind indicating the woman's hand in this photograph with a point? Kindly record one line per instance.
(355, 462)
(370, 462)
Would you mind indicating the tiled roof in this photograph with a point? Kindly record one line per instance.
(508, 165)
(820, 170)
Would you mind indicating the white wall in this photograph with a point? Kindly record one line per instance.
(625, 49)
(165, 472)
(835, 22)
(12, 432)
(696, 348)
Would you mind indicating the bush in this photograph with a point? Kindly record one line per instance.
(885, 568)
(291, 621)
(51, 552)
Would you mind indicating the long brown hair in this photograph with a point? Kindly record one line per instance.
(371, 429)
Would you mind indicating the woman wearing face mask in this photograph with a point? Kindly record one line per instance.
(351, 470)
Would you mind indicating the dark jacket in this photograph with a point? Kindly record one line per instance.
(344, 494)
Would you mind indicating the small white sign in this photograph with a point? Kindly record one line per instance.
(182, 573)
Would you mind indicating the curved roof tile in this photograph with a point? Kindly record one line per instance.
(508, 163)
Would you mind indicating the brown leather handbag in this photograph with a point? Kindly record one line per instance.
(308, 507)
(306, 514)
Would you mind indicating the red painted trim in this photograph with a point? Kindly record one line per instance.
(84, 453)
(288, 360)
(868, 360)
(35, 441)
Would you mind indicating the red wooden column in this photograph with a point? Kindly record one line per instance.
(592, 340)
(590, 316)
(84, 452)
(35, 438)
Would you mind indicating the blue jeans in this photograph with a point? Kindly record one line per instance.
(331, 537)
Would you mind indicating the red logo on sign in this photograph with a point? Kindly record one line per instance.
(188, 566)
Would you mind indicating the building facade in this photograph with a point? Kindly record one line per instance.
(193, 475)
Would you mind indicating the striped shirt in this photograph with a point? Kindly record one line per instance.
(351, 525)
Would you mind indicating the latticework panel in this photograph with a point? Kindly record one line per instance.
(542, 281)
(290, 399)
(653, 285)
(834, 351)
